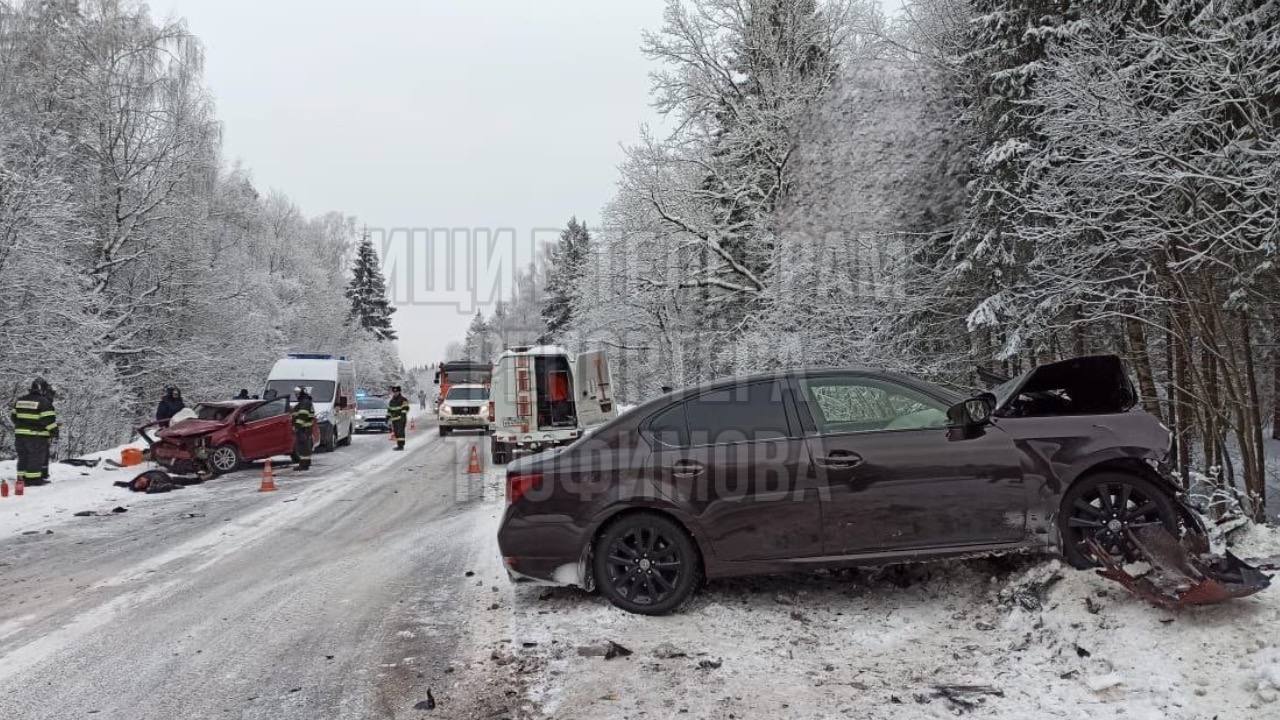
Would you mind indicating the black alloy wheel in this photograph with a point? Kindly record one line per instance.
(646, 563)
(1105, 508)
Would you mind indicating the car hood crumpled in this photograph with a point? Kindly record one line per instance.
(190, 428)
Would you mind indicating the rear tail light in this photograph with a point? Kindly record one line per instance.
(491, 411)
(519, 485)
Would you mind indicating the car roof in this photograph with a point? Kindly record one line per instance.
(466, 385)
(735, 380)
(229, 404)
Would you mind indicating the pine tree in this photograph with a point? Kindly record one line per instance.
(568, 260)
(367, 292)
(479, 344)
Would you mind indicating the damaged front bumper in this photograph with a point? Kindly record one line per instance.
(1181, 573)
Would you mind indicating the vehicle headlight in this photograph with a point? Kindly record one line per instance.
(323, 416)
(445, 410)
(359, 416)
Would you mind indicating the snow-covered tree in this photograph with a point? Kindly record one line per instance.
(367, 291)
(564, 274)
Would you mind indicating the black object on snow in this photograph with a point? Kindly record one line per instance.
(81, 462)
(428, 704)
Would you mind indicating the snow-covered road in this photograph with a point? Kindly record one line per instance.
(355, 590)
(335, 597)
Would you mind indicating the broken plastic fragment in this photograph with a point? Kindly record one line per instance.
(1181, 573)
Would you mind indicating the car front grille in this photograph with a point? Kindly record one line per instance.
(466, 411)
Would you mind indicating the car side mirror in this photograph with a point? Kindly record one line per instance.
(972, 412)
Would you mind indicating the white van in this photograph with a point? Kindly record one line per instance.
(543, 396)
(332, 380)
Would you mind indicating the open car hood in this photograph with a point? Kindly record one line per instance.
(190, 428)
(1087, 385)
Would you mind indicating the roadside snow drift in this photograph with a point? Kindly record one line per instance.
(1017, 638)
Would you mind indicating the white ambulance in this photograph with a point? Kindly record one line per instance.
(543, 396)
(332, 380)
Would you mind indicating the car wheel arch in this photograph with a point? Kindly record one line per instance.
(1122, 464)
(619, 513)
(1125, 465)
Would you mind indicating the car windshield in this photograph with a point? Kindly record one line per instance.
(459, 377)
(371, 403)
(468, 393)
(213, 412)
(321, 390)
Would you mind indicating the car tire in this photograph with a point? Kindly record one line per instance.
(344, 442)
(326, 443)
(225, 459)
(1103, 506)
(646, 563)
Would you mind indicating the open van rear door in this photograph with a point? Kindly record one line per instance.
(595, 388)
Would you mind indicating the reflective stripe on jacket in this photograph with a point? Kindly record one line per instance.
(304, 415)
(33, 416)
(398, 408)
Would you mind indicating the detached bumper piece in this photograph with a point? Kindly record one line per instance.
(1181, 573)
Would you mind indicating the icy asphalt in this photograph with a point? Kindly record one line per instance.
(334, 597)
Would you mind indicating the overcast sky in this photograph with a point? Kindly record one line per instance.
(431, 114)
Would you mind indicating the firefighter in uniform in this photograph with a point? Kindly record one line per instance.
(304, 418)
(35, 424)
(398, 414)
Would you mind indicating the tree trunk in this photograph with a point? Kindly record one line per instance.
(1256, 462)
(1140, 357)
(1275, 387)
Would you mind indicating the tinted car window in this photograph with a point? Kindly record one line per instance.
(857, 404)
(371, 403)
(738, 414)
(266, 410)
(669, 427)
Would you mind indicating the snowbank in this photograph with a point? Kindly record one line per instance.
(1013, 638)
(72, 489)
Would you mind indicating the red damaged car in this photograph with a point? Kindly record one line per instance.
(224, 435)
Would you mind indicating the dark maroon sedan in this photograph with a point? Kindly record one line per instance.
(829, 468)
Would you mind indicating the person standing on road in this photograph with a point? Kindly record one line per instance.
(242, 395)
(304, 418)
(169, 405)
(398, 414)
(35, 425)
(422, 399)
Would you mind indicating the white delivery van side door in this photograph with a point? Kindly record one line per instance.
(595, 388)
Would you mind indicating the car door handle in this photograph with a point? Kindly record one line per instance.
(687, 468)
(840, 460)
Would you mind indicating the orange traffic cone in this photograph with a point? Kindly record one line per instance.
(19, 487)
(413, 425)
(473, 465)
(4, 488)
(268, 478)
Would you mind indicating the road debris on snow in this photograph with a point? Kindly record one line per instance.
(428, 704)
(1181, 573)
(607, 650)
